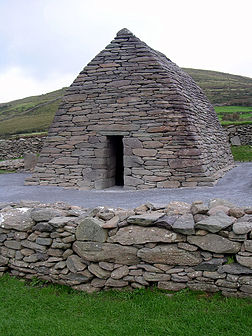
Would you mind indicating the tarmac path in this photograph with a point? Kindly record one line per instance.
(235, 186)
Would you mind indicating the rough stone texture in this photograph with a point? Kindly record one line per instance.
(14, 148)
(45, 214)
(145, 219)
(215, 223)
(90, 229)
(184, 224)
(245, 260)
(170, 255)
(106, 252)
(133, 234)
(18, 219)
(239, 134)
(242, 227)
(126, 255)
(30, 161)
(214, 243)
(169, 131)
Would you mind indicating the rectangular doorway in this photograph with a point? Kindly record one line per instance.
(116, 159)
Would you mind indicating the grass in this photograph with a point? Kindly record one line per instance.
(232, 109)
(234, 115)
(242, 153)
(55, 310)
(4, 171)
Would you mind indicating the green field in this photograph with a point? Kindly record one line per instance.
(242, 153)
(60, 311)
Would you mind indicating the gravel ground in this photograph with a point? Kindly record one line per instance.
(235, 186)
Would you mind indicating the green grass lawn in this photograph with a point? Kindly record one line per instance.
(242, 153)
(55, 310)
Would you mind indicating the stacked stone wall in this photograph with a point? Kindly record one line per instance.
(239, 134)
(199, 246)
(15, 148)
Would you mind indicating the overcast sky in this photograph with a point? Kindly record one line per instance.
(44, 44)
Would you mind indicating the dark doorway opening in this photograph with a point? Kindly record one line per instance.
(116, 145)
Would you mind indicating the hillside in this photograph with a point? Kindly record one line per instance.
(222, 88)
(35, 114)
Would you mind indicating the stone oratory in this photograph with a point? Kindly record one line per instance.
(133, 118)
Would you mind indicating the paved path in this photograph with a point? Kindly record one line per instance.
(235, 186)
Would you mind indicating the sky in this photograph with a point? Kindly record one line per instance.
(44, 44)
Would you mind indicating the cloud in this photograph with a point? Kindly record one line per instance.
(15, 84)
(44, 39)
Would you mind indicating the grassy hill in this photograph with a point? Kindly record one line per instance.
(35, 114)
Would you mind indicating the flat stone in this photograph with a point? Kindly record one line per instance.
(245, 280)
(234, 269)
(178, 208)
(76, 278)
(112, 223)
(245, 218)
(134, 234)
(120, 272)
(242, 227)
(226, 284)
(45, 214)
(98, 283)
(3, 261)
(107, 266)
(18, 219)
(167, 221)
(58, 222)
(217, 209)
(31, 245)
(184, 224)
(199, 208)
(205, 287)
(146, 219)
(244, 260)
(116, 283)
(97, 252)
(213, 275)
(187, 247)
(88, 288)
(214, 243)
(246, 288)
(90, 229)
(210, 265)
(75, 264)
(236, 212)
(98, 271)
(43, 227)
(215, 223)
(218, 201)
(171, 286)
(12, 244)
(248, 245)
(44, 241)
(169, 255)
(148, 276)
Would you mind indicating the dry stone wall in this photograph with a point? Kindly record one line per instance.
(239, 134)
(199, 246)
(15, 148)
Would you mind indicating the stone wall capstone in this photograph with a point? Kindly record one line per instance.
(198, 246)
